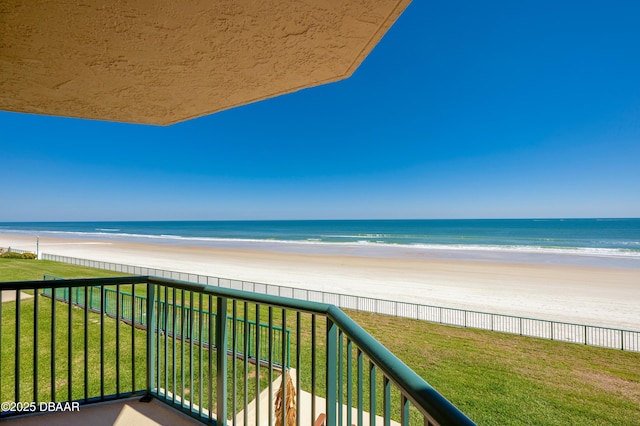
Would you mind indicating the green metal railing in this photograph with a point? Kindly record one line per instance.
(69, 352)
(173, 325)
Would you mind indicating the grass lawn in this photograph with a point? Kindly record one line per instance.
(501, 379)
(23, 270)
(496, 379)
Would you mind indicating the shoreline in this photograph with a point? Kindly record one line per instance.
(508, 254)
(582, 294)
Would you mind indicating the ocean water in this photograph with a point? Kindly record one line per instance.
(487, 238)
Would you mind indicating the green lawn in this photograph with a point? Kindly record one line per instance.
(496, 379)
(501, 379)
(22, 270)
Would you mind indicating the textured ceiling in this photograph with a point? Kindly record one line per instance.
(165, 61)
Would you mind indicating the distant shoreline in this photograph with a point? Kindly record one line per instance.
(510, 254)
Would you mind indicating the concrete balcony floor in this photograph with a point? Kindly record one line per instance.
(122, 413)
(133, 412)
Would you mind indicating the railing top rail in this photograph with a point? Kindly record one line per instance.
(72, 282)
(263, 299)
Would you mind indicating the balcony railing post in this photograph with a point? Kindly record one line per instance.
(102, 318)
(332, 392)
(151, 295)
(221, 360)
(36, 323)
(17, 347)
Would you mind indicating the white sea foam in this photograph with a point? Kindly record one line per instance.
(317, 245)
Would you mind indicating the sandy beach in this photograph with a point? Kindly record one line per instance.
(582, 294)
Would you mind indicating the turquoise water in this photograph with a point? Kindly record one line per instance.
(616, 237)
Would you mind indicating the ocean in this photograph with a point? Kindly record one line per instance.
(483, 238)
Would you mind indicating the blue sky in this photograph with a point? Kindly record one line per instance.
(463, 110)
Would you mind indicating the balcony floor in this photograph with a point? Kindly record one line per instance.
(123, 412)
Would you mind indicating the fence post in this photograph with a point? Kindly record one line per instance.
(221, 360)
(521, 326)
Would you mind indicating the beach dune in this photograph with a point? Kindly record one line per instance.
(592, 295)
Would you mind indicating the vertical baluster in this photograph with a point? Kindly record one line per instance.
(151, 295)
(201, 343)
(404, 410)
(284, 368)
(102, 311)
(372, 394)
(298, 360)
(270, 361)
(17, 347)
(118, 315)
(331, 370)
(69, 348)
(191, 322)
(360, 363)
(211, 345)
(246, 363)
(157, 306)
(182, 344)
(221, 360)
(340, 367)
(165, 324)
(234, 337)
(86, 342)
(53, 345)
(349, 381)
(386, 384)
(257, 327)
(133, 338)
(173, 354)
(36, 348)
(313, 369)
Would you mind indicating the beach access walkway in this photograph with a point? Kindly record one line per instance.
(306, 407)
(10, 296)
(305, 401)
